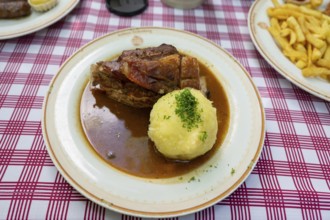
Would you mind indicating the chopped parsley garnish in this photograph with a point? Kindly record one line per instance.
(192, 179)
(203, 136)
(186, 109)
(232, 171)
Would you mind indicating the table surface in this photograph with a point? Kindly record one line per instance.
(290, 181)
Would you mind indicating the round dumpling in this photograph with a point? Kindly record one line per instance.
(183, 124)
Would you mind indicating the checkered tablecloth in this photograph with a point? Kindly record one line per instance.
(290, 181)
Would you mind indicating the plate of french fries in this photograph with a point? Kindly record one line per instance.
(294, 38)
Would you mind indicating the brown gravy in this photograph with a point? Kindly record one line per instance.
(118, 133)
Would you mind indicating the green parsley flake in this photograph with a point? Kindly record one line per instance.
(232, 171)
(192, 179)
(186, 109)
(203, 136)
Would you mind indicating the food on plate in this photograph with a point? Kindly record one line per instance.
(310, 3)
(140, 77)
(125, 135)
(42, 5)
(183, 124)
(14, 8)
(119, 133)
(303, 34)
(21, 8)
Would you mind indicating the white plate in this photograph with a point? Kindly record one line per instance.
(113, 189)
(11, 28)
(263, 41)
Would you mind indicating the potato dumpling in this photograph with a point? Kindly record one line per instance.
(183, 124)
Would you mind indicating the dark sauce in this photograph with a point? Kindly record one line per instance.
(118, 133)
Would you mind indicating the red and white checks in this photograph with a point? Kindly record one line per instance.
(290, 181)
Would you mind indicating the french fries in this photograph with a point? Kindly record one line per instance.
(303, 34)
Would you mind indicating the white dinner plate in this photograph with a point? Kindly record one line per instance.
(258, 21)
(16, 27)
(121, 192)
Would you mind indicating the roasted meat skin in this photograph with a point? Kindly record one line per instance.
(150, 53)
(161, 76)
(140, 77)
(122, 91)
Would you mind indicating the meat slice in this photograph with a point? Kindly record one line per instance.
(14, 8)
(122, 91)
(139, 77)
(161, 76)
(150, 53)
(189, 73)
